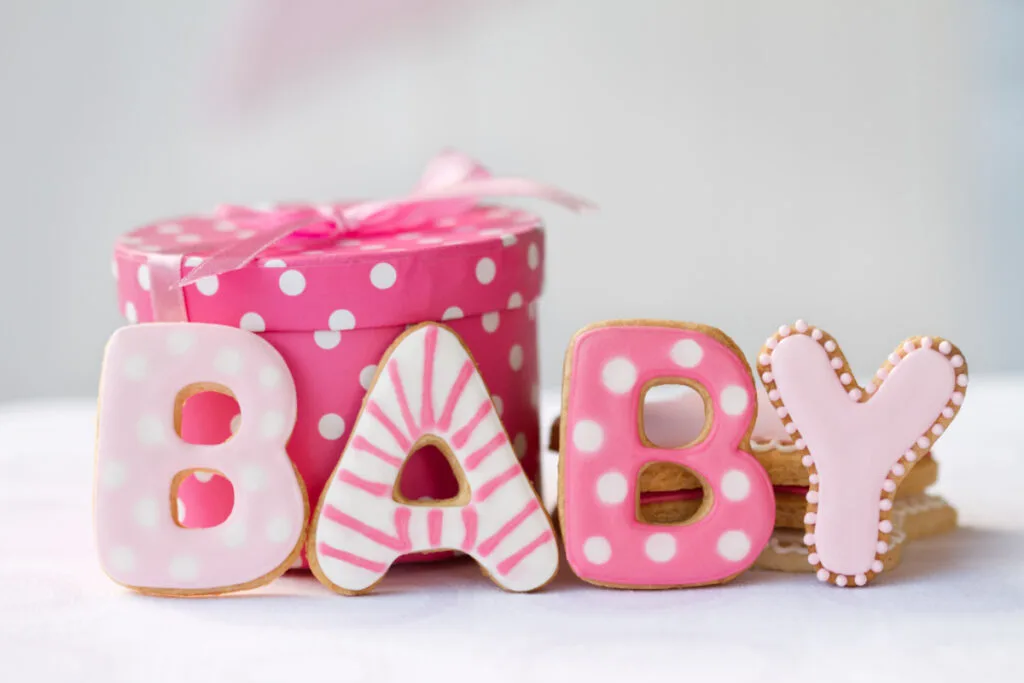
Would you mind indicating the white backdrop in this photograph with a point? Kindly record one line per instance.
(754, 162)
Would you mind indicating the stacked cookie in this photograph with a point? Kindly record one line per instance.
(670, 494)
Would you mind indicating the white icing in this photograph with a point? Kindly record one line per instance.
(503, 504)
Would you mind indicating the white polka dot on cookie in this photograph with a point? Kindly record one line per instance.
(272, 424)
(612, 488)
(618, 375)
(597, 550)
(184, 568)
(228, 361)
(660, 547)
(234, 534)
(734, 400)
(136, 367)
(279, 529)
(686, 353)
(587, 436)
(149, 430)
(733, 545)
(735, 485)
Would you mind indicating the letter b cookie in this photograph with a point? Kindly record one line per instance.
(148, 373)
(603, 450)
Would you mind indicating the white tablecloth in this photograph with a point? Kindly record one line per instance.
(953, 611)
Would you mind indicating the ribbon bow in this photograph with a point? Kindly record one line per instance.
(452, 184)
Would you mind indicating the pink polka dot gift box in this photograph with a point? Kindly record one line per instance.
(330, 287)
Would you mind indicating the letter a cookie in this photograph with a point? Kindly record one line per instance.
(858, 442)
(428, 392)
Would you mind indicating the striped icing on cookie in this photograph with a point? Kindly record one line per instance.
(859, 442)
(428, 392)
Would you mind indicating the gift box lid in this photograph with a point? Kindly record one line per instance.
(486, 259)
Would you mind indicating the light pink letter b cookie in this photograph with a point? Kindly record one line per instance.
(148, 373)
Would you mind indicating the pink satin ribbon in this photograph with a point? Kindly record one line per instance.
(452, 184)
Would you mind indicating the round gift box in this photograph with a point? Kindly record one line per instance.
(332, 310)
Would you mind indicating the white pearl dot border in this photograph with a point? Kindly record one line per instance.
(845, 376)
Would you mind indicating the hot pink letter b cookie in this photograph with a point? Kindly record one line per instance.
(608, 369)
(858, 442)
(428, 392)
(148, 373)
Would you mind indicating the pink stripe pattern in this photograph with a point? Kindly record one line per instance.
(469, 522)
(435, 518)
(399, 543)
(403, 402)
(351, 558)
(460, 437)
(467, 371)
(361, 444)
(510, 562)
(500, 532)
(401, 439)
(372, 487)
(485, 491)
(427, 404)
(488, 546)
(477, 457)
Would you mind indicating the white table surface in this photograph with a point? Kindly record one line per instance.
(954, 610)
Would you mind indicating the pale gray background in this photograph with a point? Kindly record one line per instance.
(854, 162)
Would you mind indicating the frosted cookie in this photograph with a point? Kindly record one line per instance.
(858, 442)
(914, 517)
(149, 371)
(428, 391)
(606, 450)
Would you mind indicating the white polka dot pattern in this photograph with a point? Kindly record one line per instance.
(602, 452)
(141, 545)
(618, 375)
(292, 283)
(383, 276)
(597, 550)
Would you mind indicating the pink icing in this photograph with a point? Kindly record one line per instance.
(139, 454)
(856, 444)
(429, 387)
(605, 543)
